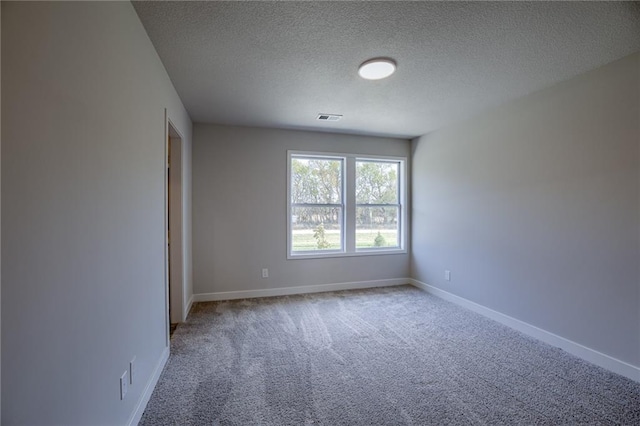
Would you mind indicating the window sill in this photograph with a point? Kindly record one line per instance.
(343, 254)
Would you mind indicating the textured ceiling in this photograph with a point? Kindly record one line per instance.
(279, 64)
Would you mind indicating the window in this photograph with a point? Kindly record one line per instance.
(345, 205)
(377, 204)
(317, 204)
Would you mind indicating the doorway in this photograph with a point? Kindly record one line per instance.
(174, 228)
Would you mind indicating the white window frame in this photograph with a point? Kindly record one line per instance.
(341, 203)
(349, 207)
(399, 205)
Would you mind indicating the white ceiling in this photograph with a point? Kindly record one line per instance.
(279, 64)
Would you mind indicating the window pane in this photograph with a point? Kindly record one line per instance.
(376, 182)
(316, 181)
(377, 227)
(316, 228)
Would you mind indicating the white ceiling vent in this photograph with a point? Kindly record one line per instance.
(329, 117)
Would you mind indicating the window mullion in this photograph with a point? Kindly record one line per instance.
(378, 205)
(350, 205)
(315, 205)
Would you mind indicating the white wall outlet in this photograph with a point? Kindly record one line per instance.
(132, 370)
(265, 273)
(447, 275)
(124, 384)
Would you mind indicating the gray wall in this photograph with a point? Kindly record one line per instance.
(535, 209)
(83, 199)
(240, 210)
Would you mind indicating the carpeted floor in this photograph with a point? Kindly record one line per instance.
(386, 356)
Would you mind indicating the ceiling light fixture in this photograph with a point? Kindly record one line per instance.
(376, 69)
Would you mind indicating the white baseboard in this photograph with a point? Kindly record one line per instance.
(148, 390)
(187, 309)
(591, 355)
(285, 291)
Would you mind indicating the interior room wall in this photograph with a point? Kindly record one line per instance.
(240, 211)
(83, 198)
(535, 209)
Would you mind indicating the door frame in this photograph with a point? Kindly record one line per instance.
(174, 221)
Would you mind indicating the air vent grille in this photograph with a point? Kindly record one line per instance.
(329, 117)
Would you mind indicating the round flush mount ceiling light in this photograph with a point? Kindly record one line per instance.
(376, 69)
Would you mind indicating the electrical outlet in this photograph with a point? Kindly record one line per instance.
(124, 385)
(447, 275)
(265, 273)
(132, 370)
